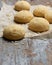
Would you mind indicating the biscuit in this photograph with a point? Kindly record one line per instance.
(22, 5)
(23, 16)
(40, 11)
(48, 16)
(13, 32)
(38, 25)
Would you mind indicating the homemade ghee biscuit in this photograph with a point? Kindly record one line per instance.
(40, 10)
(14, 32)
(23, 16)
(38, 25)
(22, 5)
(48, 16)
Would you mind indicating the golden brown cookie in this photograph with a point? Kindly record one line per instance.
(48, 16)
(22, 5)
(38, 24)
(23, 16)
(40, 10)
(13, 32)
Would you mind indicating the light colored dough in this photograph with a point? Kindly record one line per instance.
(38, 24)
(22, 5)
(40, 10)
(23, 16)
(14, 32)
(48, 16)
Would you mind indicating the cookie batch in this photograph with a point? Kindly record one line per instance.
(38, 21)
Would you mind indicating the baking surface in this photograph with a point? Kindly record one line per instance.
(29, 51)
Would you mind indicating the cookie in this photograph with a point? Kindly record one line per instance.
(22, 5)
(40, 10)
(23, 17)
(13, 32)
(48, 16)
(38, 25)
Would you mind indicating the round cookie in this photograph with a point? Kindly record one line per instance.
(22, 5)
(13, 32)
(40, 11)
(48, 16)
(23, 16)
(38, 25)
